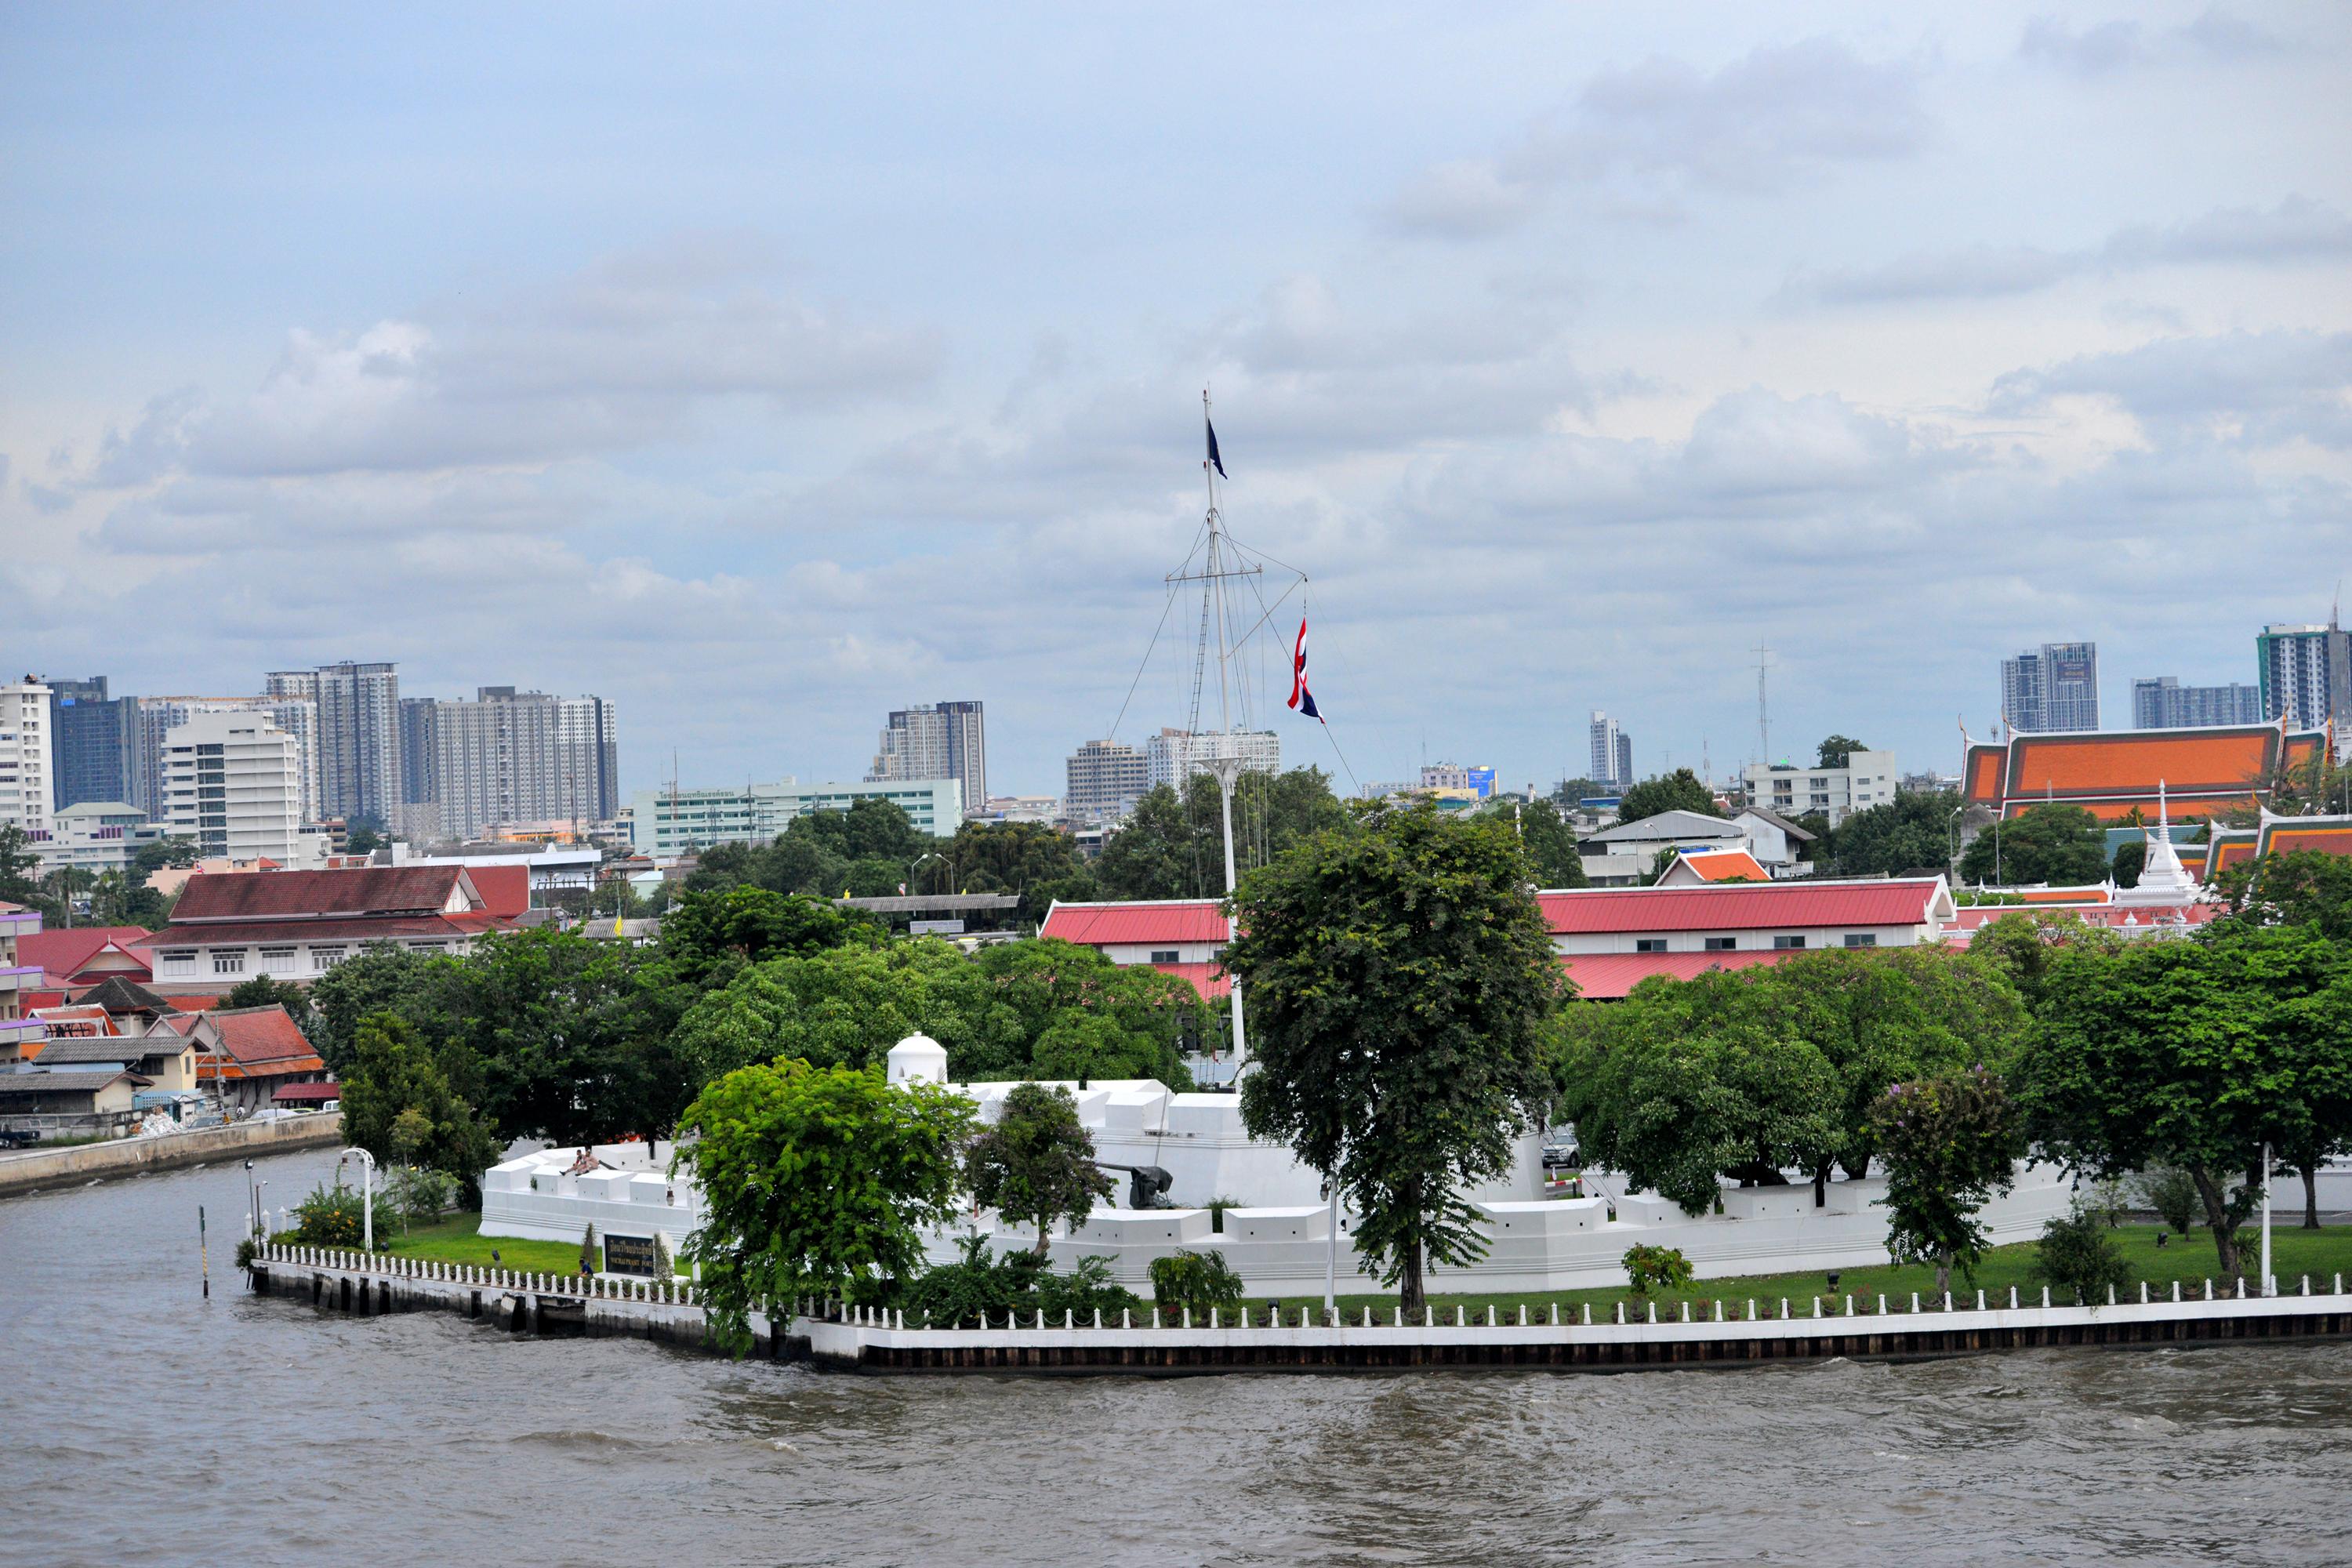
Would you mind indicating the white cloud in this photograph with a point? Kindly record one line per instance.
(1643, 135)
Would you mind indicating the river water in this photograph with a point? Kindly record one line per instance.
(142, 1424)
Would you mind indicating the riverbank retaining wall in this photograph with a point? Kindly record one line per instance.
(83, 1162)
(1733, 1333)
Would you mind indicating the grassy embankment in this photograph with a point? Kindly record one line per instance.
(2321, 1254)
(456, 1238)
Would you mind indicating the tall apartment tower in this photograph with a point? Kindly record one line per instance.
(93, 742)
(936, 741)
(1613, 753)
(2054, 687)
(359, 735)
(1103, 780)
(2306, 676)
(25, 797)
(2161, 702)
(231, 782)
(510, 757)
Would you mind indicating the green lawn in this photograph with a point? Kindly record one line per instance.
(458, 1239)
(2321, 1254)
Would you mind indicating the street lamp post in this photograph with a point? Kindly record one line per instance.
(367, 1197)
(1331, 1252)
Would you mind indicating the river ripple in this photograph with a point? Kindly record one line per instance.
(142, 1424)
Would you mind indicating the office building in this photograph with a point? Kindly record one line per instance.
(359, 735)
(1174, 755)
(1453, 781)
(2161, 702)
(419, 785)
(1103, 780)
(25, 797)
(2306, 676)
(936, 741)
(1613, 753)
(93, 742)
(154, 717)
(672, 822)
(231, 782)
(511, 757)
(2055, 687)
(1868, 779)
(95, 835)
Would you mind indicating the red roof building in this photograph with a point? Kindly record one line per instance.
(1714, 865)
(1783, 917)
(297, 925)
(2110, 772)
(1183, 937)
(1609, 977)
(84, 955)
(254, 1052)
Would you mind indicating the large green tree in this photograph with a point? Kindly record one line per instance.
(392, 1073)
(1913, 831)
(1033, 860)
(2024, 945)
(1685, 1082)
(1835, 751)
(2062, 845)
(1400, 978)
(1036, 1162)
(381, 976)
(814, 1181)
(2194, 1055)
(2303, 886)
(1680, 790)
(714, 933)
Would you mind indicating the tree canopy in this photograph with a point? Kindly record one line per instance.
(2059, 844)
(867, 851)
(2194, 1054)
(1908, 833)
(816, 1180)
(1547, 839)
(2303, 886)
(1835, 749)
(1950, 1142)
(1400, 976)
(393, 1074)
(1172, 844)
(1680, 790)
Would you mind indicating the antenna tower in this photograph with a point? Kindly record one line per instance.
(1763, 712)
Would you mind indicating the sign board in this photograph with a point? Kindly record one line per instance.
(935, 928)
(630, 1255)
(1482, 782)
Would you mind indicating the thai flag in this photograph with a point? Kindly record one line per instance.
(1301, 697)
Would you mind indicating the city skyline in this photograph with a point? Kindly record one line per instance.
(758, 451)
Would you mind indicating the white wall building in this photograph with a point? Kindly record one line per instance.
(27, 792)
(159, 716)
(232, 782)
(512, 757)
(668, 823)
(95, 835)
(1867, 779)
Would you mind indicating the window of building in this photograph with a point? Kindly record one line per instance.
(326, 957)
(276, 960)
(229, 962)
(1784, 943)
(1163, 955)
(1861, 939)
(1649, 944)
(1721, 944)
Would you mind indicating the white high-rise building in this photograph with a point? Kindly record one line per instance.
(1613, 753)
(1103, 780)
(512, 757)
(27, 790)
(1174, 755)
(158, 716)
(2307, 675)
(231, 782)
(359, 734)
(2052, 687)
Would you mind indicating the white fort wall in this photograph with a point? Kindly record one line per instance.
(1279, 1241)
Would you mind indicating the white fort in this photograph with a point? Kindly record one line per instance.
(1279, 1236)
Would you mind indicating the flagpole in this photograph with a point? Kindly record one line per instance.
(1226, 765)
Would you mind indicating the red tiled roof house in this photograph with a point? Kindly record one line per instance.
(297, 925)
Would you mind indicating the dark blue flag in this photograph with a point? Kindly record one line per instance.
(1220, 462)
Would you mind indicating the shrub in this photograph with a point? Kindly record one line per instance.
(1217, 1207)
(589, 1260)
(2171, 1192)
(1647, 1267)
(330, 1216)
(2077, 1253)
(1197, 1280)
(1084, 1291)
(415, 1195)
(244, 1251)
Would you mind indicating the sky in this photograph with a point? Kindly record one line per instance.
(766, 369)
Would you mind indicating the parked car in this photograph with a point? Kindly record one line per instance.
(18, 1137)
